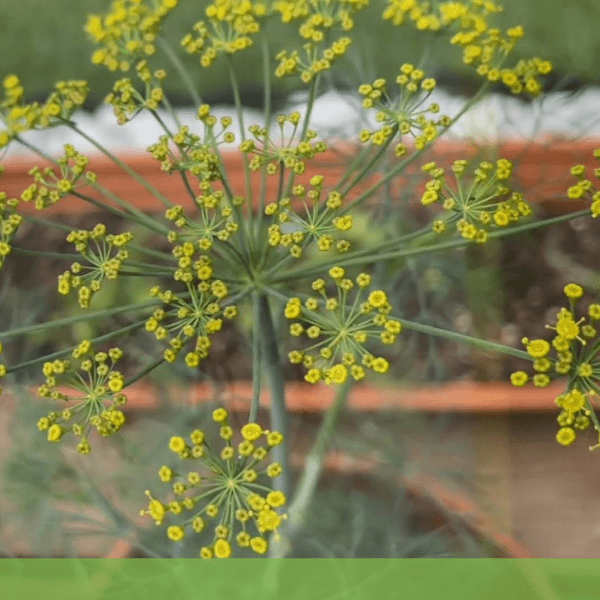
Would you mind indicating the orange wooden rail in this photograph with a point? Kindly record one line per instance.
(459, 396)
(541, 170)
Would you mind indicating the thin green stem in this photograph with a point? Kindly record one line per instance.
(45, 254)
(131, 246)
(65, 351)
(265, 254)
(256, 358)
(183, 72)
(147, 369)
(151, 274)
(267, 119)
(273, 368)
(312, 95)
(247, 177)
(162, 123)
(160, 197)
(366, 168)
(188, 186)
(304, 492)
(229, 194)
(465, 339)
(400, 168)
(173, 114)
(35, 150)
(132, 212)
(236, 254)
(358, 160)
(373, 255)
(89, 316)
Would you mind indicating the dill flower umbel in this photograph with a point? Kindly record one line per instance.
(576, 350)
(475, 206)
(285, 153)
(342, 330)
(50, 187)
(128, 32)
(402, 115)
(484, 47)
(196, 316)
(19, 117)
(220, 493)
(99, 384)
(9, 223)
(197, 154)
(229, 28)
(127, 101)
(318, 223)
(586, 186)
(319, 21)
(104, 255)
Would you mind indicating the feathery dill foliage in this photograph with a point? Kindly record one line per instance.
(228, 247)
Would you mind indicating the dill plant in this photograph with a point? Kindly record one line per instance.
(254, 246)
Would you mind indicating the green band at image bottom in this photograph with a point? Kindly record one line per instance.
(299, 579)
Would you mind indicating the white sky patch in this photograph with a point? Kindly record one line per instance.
(340, 115)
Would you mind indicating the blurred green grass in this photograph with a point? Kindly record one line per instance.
(43, 41)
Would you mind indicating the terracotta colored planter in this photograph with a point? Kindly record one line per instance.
(459, 397)
(542, 171)
(464, 397)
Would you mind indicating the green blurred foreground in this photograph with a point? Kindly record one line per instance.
(291, 579)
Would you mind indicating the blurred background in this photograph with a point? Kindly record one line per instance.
(33, 44)
(435, 482)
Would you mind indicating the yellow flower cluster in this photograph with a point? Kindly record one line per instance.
(223, 487)
(198, 155)
(319, 20)
(342, 331)
(66, 98)
(207, 226)
(49, 187)
(102, 261)
(9, 223)
(127, 101)
(316, 225)
(284, 153)
(484, 47)
(197, 316)
(311, 64)
(100, 385)
(576, 346)
(474, 207)
(585, 186)
(19, 117)
(2, 369)
(402, 115)
(233, 23)
(128, 32)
